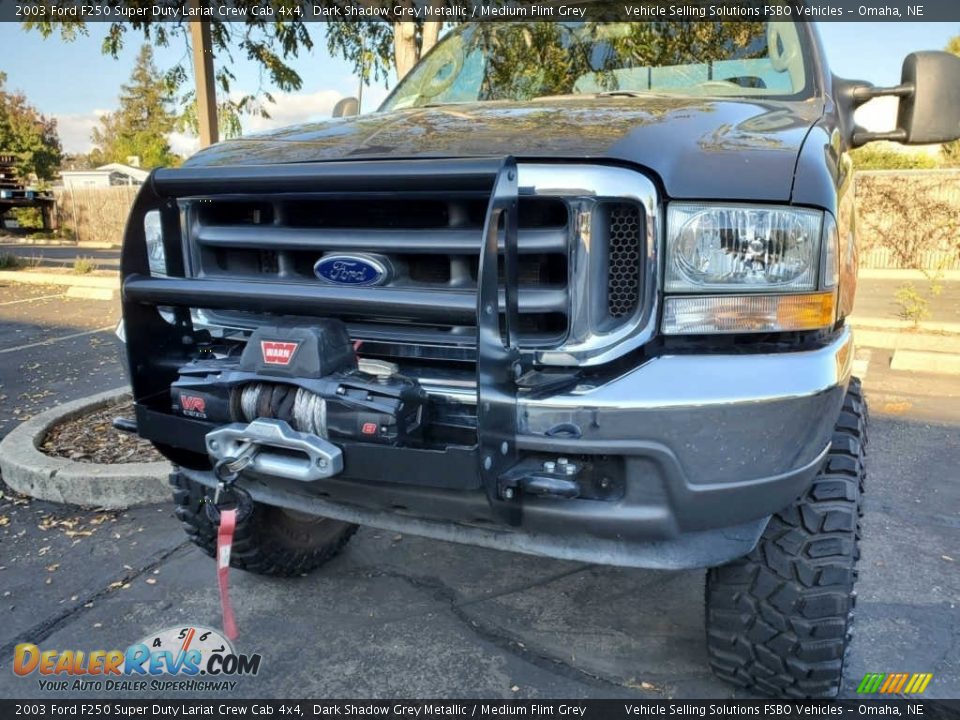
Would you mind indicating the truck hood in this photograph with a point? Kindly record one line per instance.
(699, 148)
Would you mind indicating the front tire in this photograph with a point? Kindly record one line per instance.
(271, 541)
(779, 620)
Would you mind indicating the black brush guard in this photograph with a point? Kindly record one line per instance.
(156, 348)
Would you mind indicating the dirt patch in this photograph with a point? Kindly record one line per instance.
(92, 438)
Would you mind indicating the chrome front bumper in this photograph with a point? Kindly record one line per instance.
(712, 446)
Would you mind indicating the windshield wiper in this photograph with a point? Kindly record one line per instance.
(625, 93)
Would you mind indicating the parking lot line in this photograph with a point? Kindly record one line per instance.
(50, 341)
(30, 299)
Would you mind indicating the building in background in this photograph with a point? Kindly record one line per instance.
(104, 176)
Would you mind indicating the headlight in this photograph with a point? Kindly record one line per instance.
(741, 248)
(749, 268)
(153, 232)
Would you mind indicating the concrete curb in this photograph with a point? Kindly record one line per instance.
(905, 275)
(902, 340)
(29, 471)
(111, 282)
(8, 240)
(926, 362)
(893, 325)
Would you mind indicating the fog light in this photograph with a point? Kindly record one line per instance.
(748, 313)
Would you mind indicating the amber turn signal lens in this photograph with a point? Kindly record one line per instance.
(748, 313)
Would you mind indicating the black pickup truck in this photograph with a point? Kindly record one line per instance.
(575, 290)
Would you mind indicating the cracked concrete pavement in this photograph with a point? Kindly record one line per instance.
(399, 616)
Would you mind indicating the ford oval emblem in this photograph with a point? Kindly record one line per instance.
(352, 270)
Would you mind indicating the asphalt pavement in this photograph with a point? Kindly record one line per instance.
(60, 256)
(399, 616)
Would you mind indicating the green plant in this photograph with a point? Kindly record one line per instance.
(881, 157)
(9, 261)
(913, 305)
(28, 218)
(84, 265)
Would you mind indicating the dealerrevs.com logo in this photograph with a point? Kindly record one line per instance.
(190, 658)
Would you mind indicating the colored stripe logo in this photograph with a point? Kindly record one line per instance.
(894, 683)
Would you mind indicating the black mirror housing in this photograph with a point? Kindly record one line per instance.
(346, 107)
(931, 113)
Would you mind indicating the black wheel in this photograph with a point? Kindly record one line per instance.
(779, 620)
(271, 541)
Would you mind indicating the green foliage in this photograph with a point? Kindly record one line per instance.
(913, 306)
(950, 152)
(142, 123)
(28, 218)
(9, 261)
(84, 265)
(229, 113)
(372, 48)
(27, 135)
(877, 157)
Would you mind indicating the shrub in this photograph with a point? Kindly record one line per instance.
(84, 265)
(878, 157)
(28, 218)
(9, 261)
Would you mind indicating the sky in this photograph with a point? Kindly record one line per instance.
(75, 83)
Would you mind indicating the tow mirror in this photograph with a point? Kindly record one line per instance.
(929, 93)
(932, 113)
(346, 107)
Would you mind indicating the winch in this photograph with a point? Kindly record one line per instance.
(306, 377)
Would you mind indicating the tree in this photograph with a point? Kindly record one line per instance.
(27, 135)
(373, 48)
(951, 150)
(143, 122)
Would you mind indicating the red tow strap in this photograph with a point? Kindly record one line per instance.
(228, 523)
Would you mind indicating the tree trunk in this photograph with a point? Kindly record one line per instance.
(404, 47)
(431, 31)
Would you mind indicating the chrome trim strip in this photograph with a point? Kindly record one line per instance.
(587, 342)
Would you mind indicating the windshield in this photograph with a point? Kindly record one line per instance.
(523, 61)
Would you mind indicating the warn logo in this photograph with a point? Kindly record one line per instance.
(193, 403)
(278, 353)
(193, 406)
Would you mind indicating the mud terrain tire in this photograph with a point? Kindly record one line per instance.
(271, 541)
(779, 620)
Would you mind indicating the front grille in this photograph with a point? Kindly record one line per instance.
(623, 284)
(586, 253)
(429, 244)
